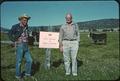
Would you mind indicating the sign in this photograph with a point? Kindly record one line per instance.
(48, 39)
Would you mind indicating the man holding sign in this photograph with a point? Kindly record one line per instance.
(69, 43)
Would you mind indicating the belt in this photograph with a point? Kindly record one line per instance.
(70, 39)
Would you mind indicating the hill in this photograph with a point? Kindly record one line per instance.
(96, 24)
(5, 30)
(99, 24)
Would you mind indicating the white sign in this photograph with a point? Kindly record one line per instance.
(48, 39)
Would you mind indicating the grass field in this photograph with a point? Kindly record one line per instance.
(98, 62)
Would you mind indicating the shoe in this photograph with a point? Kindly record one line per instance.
(74, 74)
(19, 78)
(67, 74)
(27, 74)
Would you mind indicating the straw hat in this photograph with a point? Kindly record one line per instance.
(24, 16)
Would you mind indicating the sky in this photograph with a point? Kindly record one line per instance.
(48, 13)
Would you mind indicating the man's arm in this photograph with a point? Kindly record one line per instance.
(11, 33)
(78, 33)
(60, 39)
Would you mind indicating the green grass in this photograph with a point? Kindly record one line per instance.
(4, 36)
(100, 62)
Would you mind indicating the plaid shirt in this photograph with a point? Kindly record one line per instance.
(23, 37)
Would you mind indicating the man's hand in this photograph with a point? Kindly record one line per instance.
(61, 48)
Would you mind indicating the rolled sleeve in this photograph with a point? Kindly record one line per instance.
(11, 33)
(60, 36)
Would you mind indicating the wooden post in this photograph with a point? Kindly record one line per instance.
(48, 53)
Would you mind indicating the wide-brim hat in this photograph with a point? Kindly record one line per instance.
(24, 16)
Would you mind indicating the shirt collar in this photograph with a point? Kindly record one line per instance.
(71, 23)
(21, 25)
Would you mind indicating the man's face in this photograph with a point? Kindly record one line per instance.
(24, 21)
(69, 19)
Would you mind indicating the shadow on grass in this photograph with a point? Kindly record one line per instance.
(35, 67)
(60, 61)
(79, 63)
(1, 79)
(118, 79)
(99, 43)
(85, 45)
(57, 63)
(11, 66)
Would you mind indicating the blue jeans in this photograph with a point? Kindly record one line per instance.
(22, 50)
